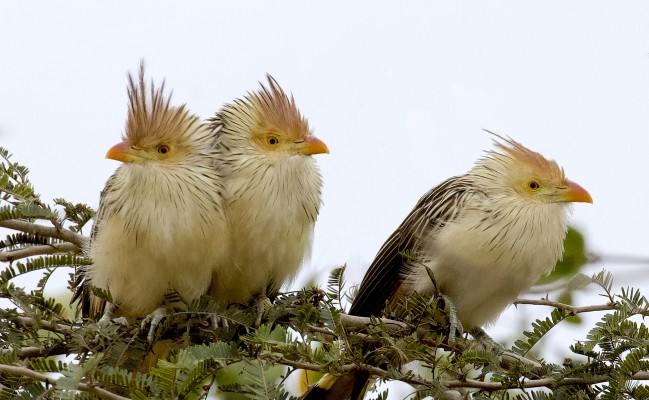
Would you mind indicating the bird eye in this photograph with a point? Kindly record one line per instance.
(533, 185)
(163, 149)
(272, 140)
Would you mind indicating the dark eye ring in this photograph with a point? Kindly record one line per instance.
(272, 140)
(534, 185)
(163, 149)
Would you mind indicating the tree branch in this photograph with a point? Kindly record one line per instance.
(536, 383)
(31, 323)
(359, 324)
(572, 310)
(458, 383)
(36, 229)
(25, 352)
(8, 256)
(321, 368)
(96, 390)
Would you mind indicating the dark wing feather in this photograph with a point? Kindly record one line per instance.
(91, 305)
(389, 269)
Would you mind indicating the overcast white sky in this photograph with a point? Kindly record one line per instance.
(399, 91)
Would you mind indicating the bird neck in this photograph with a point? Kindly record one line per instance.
(171, 195)
(519, 231)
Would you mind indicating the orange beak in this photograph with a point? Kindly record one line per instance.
(577, 194)
(313, 145)
(123, 152)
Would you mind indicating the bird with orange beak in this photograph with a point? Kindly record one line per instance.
(160, 224)
(272, 192)
(481, 239)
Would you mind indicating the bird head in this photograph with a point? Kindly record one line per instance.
(268, 122)
(526, 174)
(157, 132)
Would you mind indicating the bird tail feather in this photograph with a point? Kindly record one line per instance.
(351, 386)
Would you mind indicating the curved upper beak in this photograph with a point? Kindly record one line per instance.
(577, 194)
(123, 152)
(313, 145)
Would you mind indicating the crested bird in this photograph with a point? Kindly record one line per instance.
(272, 192)
(483, 237)
(160, 224)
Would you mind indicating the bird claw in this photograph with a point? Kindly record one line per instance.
(486, 341)
(106, 318)
(219, 322)
(263, 307)
(152, 321)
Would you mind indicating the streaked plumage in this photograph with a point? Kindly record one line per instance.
(486, 236)
(272, 191)
(160, 223)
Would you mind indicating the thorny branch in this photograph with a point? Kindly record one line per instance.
(572, 310)
(457, 383)
(9, 256)
(67, 235)
(352, 324)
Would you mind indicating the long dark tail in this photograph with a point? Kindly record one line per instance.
(350, 386)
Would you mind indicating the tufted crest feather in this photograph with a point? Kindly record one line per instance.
(151, 118)
(513, 157)
(269, 108)
(277, 109)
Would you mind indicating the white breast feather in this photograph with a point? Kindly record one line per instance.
(159, 234)
(492, 253)
(272, 205)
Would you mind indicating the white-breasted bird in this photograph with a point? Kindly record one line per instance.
(485, 237)
(160, 224)
(272, 192)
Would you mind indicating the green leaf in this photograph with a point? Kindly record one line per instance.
(36, 211)
(579, 281)
(540, 329)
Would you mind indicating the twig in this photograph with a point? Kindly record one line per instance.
(36, 229)
(616, 258)
(536, 383)
(8, 256)
(328, 334)
(96, 390)
(31, 323)
(321, 368)
(25, 352)
(459, 383)
(207, 387)
(509, 358)
(572, 310)
(31, 352)
(355, 323)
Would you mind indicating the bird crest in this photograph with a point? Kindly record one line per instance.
(277, 109)
(151, 118)
(267, 109)
(513, 156)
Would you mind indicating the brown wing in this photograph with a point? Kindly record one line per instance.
(389, 269)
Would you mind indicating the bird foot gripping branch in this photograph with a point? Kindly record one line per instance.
(264, 305)
(152, 321)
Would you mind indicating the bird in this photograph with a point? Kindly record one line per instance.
(160, 225)
(272, 192)
(481, 239)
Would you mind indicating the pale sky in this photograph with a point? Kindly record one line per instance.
(399, 91)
